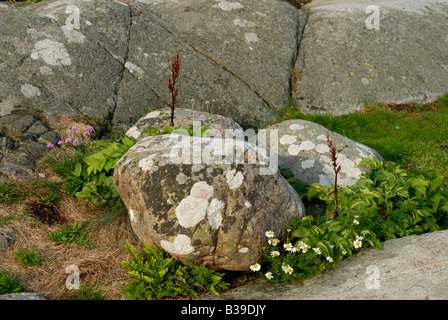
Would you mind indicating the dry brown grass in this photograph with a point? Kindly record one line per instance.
(100, 265)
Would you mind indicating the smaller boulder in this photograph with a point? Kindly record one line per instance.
(186, 118)
(303, 149)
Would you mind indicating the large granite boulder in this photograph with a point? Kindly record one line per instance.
(212, 210)
(303, 149)
(109, 59)
(372, 50)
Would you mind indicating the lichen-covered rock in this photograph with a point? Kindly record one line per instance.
(186, 118)
(193, 198)
(303, 149)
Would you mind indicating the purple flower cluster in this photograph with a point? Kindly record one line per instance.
(69, 140)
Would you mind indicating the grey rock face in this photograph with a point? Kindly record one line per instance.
(23, 140)
(343, 63)
(303, 149)
(7, 238)
(72, 60)
(408, 268)
(23, 296)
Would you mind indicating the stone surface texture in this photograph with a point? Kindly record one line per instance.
(405, 60)
(185, 118)
(408, 268)
(206, 211)
(303, 149)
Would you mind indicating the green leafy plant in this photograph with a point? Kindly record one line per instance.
(390, 201)
(10, 284)
(77, 233)
(91, 179)
(157, 275)
(28, 257)
(387, 202)
(88, 292)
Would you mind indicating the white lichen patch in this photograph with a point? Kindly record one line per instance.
(146, 164)
(288, 139)
(322, 148)
(243, 250)
(202, 190)
(133, 132)
(180, 246)
(308, 164)
(234, 179)
(45, 70)
(321, 137)
(214, 213)
(152, 114)
(251, 37)
(181, 178)
(307, 145)
(191, 211)
(296, 126)
(248, 204)
(228, 6)
(30, 91)
(52, 52)
(293, 149)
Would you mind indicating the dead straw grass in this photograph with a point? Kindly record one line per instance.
(100, 265)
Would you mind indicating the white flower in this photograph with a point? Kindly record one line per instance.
(330, 259)
(269, 234)
(275, 253)
(269, 275)
(287, 269)
(356, 217)
(288, 246)
(273, 242)
(255, 267)
(344, 253)
(303, 245)
(295, 249)
(304, 249)
(359, 238)
(357, 244)
(317, 250)
(355, 221)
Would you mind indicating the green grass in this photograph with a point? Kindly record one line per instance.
(417, 136)
(10, 284)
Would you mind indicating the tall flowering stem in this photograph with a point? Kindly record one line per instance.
(337, 169)
(172, 81)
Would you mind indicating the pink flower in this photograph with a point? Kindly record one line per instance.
(86, 134)
(207, 102)
(76, 142)
(89, 128)
(192, 100)
(68, 140)
(60, 142)
(74, 129)
(50, 145)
